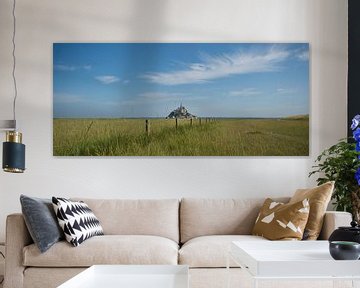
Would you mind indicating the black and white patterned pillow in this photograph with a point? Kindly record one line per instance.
(77, 220)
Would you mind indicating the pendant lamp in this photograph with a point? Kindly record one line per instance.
(13, 160)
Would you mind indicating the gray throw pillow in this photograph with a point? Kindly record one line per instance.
(41, 221)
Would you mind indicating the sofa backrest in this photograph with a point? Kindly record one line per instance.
(200, 217)
(159, 217)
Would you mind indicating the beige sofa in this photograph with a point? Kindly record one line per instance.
(194, 232)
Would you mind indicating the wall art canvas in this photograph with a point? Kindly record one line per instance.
(181, 99)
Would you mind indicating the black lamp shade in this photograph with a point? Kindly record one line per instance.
(13, 157)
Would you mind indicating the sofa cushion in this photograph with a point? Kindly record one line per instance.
(200, 217)
(319, 198)
(158, 217)
(41, 221)
(211, 251)
(107, 249)
(279, 221)
(76, 220)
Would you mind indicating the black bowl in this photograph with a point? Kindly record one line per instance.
(344, 250)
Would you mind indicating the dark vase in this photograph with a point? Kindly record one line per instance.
(344, 250)
(351, 233)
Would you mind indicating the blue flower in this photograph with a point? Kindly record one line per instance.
(357, 147)
(357, 176)
(355, 122)
(356, 134)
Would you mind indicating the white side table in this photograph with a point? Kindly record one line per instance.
(294, 260)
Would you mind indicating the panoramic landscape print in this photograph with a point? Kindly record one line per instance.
(180, 99)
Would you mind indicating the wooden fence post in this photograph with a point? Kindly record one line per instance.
(200, 121)
(147, 126)
(190, 121)
(176, 123)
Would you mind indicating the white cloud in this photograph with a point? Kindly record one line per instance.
(245, 92)
(285, 91)
(220, 66)
(303, 56)
(197, 67)
(107, 79)
(63, 67)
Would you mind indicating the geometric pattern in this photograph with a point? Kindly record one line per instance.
(76, 220)
(277, 221)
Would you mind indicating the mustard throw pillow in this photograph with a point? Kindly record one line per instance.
(319, 198)
(279, 221)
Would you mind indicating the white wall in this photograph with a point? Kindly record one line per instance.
(322, 23)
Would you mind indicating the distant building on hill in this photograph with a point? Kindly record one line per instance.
(180, 113)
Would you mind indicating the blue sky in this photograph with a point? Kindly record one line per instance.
(152, 79)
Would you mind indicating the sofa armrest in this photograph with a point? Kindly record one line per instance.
(333, 220)
(17, 237)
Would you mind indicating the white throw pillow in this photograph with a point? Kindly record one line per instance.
(76, 220)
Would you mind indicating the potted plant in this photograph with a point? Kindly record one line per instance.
(341, 163)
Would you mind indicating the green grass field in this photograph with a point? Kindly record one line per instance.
(223, 137)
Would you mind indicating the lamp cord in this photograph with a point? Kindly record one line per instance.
(14, 61)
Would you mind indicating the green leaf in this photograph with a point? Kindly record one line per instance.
(338, 163)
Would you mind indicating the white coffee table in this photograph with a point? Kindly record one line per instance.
(297, 260)
(131, 276)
